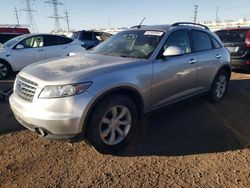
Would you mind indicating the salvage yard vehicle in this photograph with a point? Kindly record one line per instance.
(237, 41)
(90, 39)
(102, 94)
(7, 33)
(30, 48)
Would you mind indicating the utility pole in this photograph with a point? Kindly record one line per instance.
(55, 16)
(29, 13)
(195, 12)
(217, 11)
(17, 18)
(67, 18)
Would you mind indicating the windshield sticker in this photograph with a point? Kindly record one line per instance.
(157, 33)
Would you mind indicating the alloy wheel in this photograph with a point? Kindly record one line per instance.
(115, 125)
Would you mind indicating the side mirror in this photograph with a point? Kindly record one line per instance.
(173, 51)
(1, 45)
(19, 46)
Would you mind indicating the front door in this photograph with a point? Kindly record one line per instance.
(174, 77)
(30, 50)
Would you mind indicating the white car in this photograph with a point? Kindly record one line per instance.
(24, 50)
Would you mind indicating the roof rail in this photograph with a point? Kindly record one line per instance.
(190, 23)
(137, 26)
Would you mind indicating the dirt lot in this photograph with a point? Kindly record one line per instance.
(194, 144)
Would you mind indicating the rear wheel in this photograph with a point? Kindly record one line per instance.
(219, 87)
(4, 70)
(112, 123)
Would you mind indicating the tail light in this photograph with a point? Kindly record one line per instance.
(248, 39)
(247, 62)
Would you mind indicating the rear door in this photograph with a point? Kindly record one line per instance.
(234, 41)
(56, 46)
(209, 53)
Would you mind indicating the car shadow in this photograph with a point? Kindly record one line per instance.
(196, 126)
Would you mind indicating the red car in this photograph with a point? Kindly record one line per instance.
(237, 41)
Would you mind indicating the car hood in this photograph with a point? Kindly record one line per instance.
(66, 70)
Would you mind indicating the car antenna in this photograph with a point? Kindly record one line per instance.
(139, 26)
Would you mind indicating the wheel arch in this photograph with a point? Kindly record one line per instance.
(130, 92)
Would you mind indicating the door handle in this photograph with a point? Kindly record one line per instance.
(65, 48)
(192, 61)
(218, 56)
(40, 50)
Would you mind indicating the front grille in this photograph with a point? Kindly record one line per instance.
(25, 88)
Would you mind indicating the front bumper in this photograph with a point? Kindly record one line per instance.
(61, 118)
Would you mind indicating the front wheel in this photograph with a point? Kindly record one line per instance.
(219, 87)
(112, 123)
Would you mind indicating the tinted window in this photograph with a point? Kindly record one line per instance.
(179, 39)
(201, 41)
(32, 42)
(51, 40)
(232, 35)
(215, 43)
(86, 35)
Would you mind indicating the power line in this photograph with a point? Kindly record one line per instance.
(195, 12)
(17, 18)
(55, 16)
(67, 18)
(29, 13)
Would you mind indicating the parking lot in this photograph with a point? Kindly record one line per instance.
(192, 144)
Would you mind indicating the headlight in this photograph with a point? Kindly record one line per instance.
(63, 90)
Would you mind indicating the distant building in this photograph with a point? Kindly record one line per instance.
(226, 24)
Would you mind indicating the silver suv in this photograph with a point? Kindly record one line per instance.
(101, 94)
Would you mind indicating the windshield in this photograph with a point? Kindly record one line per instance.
(232, 36)
(132, 44)
(11, 42)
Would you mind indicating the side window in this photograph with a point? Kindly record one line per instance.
(179, 39)
(216, 43)
(201, 41)
(51, 40)
(33, 42)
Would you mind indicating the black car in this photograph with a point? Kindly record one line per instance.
(90, 38)
(237, 41)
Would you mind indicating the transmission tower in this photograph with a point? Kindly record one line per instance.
(195, 12)
(17, 18)
(217, 11)
(29, 13)
(67, 18)
(55, 16)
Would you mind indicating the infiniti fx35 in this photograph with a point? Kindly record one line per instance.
(102, 93)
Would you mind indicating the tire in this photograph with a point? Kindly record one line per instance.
(104, 130)
(5, 70)
(219, 87)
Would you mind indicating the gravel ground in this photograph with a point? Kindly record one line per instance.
(193, 144)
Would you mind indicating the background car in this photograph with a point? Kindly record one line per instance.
(24, 50)
(90, 39)
(237, 41)
(7, 33)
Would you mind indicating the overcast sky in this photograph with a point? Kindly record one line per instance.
(124, 13)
